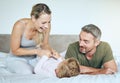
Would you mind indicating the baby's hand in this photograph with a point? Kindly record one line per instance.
(38, 46)
(55, 54)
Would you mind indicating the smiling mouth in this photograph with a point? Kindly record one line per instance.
(41, 28)
(81, 47)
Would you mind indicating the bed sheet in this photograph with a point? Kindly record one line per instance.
(7, 77)
(77, 79)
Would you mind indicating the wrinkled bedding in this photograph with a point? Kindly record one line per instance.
(8, 77)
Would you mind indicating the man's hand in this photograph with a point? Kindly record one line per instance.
(106, 71)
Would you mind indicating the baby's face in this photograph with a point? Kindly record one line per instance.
(59, 66)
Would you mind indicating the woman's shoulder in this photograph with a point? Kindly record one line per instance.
(20, 25)
(23, 20)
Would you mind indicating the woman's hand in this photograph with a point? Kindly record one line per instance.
(41, 52)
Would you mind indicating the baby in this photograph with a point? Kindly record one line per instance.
(56, 65)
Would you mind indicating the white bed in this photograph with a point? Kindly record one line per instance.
(7, 77)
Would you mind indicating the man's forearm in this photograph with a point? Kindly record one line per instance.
(87, 70)
(90, 70)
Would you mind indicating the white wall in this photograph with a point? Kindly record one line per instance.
(68, 16)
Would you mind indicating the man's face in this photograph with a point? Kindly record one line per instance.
(87, 42)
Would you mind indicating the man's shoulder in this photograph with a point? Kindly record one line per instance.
(74, 44)
(103, 43)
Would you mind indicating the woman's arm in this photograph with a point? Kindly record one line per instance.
(16, 39)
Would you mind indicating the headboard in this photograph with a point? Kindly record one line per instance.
(58, 42)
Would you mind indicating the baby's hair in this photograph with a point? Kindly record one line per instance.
(70, 68)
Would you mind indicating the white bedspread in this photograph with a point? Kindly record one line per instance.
(7, 77)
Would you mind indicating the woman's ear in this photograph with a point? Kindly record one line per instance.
(33, 18)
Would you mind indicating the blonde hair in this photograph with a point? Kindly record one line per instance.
(39, 38)
(40, 8)
(70, 68)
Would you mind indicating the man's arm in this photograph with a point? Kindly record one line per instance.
(109, 67)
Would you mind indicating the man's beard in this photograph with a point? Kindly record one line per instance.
(83, 50)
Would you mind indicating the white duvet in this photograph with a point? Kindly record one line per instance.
(7, 77)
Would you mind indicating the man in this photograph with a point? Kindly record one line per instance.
(94, 56)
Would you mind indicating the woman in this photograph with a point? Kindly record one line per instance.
(26, 34)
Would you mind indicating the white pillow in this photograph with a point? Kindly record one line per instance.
(63, 53)
(3, 59)
(117, 60)
(3, 54)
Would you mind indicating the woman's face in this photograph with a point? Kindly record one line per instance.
(43, 23)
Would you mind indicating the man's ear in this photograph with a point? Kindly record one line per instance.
(97, 42)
